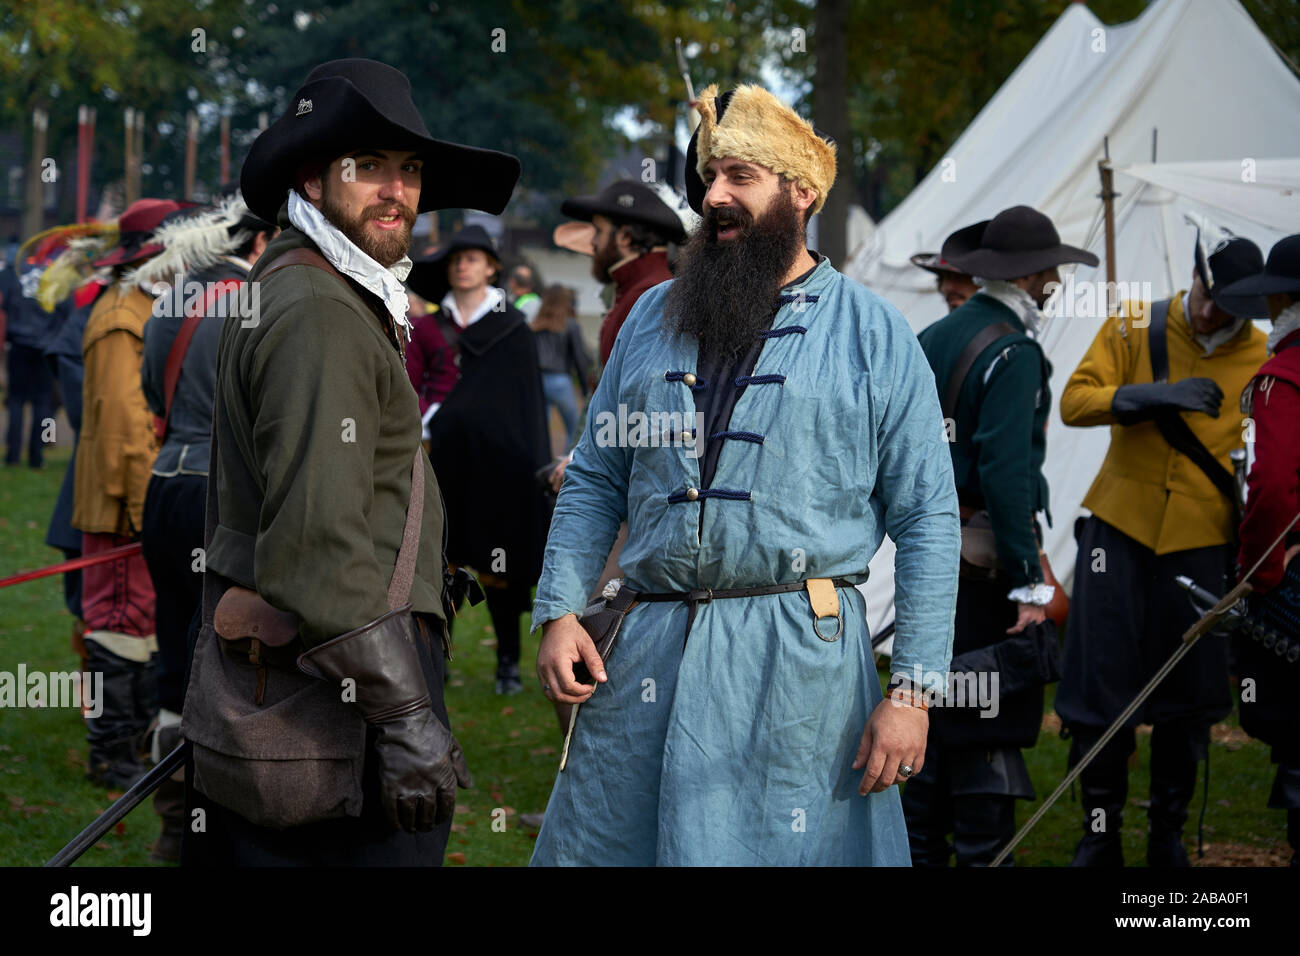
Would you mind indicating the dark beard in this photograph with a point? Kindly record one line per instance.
(724, 292)
(604, 257)
(385, 248)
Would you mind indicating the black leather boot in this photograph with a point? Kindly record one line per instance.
(1104, 788)
(1176, 748)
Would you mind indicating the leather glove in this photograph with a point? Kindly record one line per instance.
(420, 766)
(420, 762)
(1139, 403)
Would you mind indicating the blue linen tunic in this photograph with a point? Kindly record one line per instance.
(734, 747)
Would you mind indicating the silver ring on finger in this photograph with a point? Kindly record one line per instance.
(905, 771)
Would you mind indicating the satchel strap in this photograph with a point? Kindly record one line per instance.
(302, 256)
(399, 588)
(981, 340)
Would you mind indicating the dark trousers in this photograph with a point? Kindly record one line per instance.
(174, 511)
(1127, 617)
(30, 381)
(227, 839)
(505, 606)
(969, 793)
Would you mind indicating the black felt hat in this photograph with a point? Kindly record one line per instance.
(1237, 258)
(1016, 242)
(428, 276)
(349, 104)
(933, 262)
(627, 201)
(1280, 274)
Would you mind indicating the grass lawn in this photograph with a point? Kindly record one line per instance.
(512, 743)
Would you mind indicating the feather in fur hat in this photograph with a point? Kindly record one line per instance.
(194, 242)
(751, 124)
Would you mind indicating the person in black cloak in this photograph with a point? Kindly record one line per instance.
(489, 438)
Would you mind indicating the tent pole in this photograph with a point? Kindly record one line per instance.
(1108, 204)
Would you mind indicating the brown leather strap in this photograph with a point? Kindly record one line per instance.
(982, 340)
(399, 588)
(302, 256)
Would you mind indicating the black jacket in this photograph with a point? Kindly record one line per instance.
(486, 443)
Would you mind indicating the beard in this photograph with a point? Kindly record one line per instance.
(385, 248)
(604, 257)
(724, 291)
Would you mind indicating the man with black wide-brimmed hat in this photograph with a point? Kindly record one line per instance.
(1272, 400)
(633, 224)
(1163, 505)
(319, 735)
(954, 285)
(489, 437)
(993, 380)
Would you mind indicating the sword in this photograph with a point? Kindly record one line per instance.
(124, 804)
(1231, 600)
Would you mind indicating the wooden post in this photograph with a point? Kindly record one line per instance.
(191, 152)
(34, 213)
(225, 150)
(83, 158)
(129, 181)
(1108, 195)
(138, 152)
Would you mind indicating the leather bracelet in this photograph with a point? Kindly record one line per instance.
(910, 697)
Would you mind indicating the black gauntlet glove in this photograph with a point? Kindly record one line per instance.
(420, 762)
(1139, 403)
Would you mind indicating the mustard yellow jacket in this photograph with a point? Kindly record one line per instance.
(1147, 490)
(117, 445)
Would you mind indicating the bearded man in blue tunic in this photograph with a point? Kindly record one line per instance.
(793, 422)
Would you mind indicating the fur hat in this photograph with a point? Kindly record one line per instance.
(751, 124)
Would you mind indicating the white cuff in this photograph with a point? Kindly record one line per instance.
(1038, 594)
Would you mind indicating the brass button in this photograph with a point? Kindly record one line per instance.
(692, 494)
(689, 379)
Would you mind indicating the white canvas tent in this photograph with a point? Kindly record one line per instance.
(1227, 111)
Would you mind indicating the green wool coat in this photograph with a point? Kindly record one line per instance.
(998, 437)
(317, 426)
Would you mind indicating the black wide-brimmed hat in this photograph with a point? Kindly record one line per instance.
(428, 277)
(1016, 242)
(933, 262)
(1280, 274)
(627, 201)
(346, 105)
(1230, 261)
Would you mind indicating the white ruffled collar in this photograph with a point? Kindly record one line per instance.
(1288, 321)
(1017, 300)
(343, 254)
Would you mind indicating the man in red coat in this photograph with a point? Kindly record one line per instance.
(1270, 692)
(634, 224)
